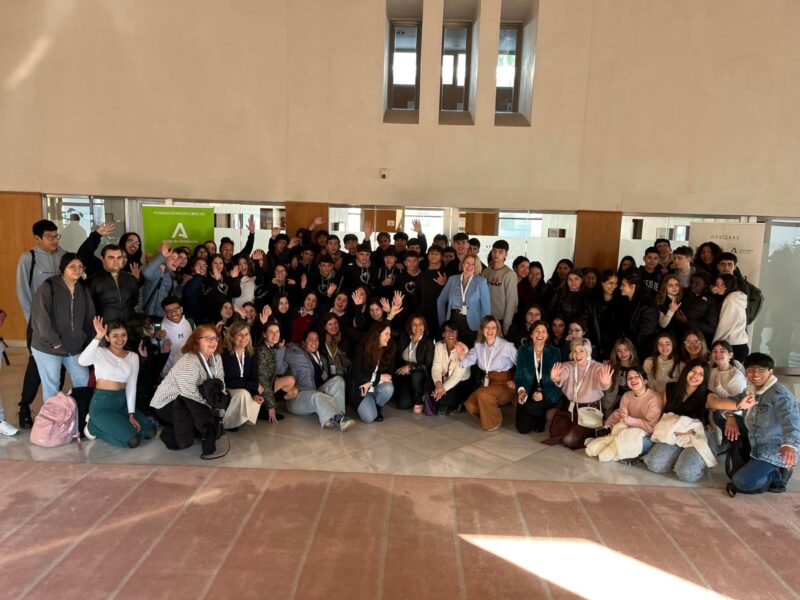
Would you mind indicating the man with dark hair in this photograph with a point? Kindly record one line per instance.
(430, 286)
(359, 272)
(333, 249)
(325, 282)
(385, 275)
(33, 268)
(502, 282)
(407, 283)
(351, 247)
(772, 421)
(115, 292)
(384, 241)
(226, 248)
(682, 264)
(461, 247)
(160, 281)
(650, 271)
(727, 264)
(664, 249)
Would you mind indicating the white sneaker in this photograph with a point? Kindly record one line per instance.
(88, 435)
(8, 429)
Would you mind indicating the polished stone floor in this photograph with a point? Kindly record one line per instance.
(404, 444)
(134, 531)
(414, 507)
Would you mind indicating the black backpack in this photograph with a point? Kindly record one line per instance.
(755, 300)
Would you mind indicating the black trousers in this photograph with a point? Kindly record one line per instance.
(465, 334)
(409, 389)
(532, 416)
(458, 394)
(184, 420)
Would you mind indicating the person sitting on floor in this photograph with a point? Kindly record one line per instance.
(322, 391)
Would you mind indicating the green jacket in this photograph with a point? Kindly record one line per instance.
(525, 371)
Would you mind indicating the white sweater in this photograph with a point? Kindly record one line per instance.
(732, 326)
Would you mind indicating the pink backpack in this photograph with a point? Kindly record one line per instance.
(57, 422)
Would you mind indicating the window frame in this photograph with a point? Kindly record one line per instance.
(517, 68)
(468, 25)
(393, 27)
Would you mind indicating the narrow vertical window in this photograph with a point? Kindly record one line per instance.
(404, 72)
(455, 67)
(507, 87)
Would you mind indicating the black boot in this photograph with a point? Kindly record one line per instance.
(780, 486)
(379, 418)
(25, 418)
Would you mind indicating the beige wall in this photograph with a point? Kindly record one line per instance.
(658, 106)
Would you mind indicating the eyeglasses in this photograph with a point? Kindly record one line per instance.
(51, 237)
(210, 338)
(756, 371)
(133, 243)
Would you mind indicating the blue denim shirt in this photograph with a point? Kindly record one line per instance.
(772, 423)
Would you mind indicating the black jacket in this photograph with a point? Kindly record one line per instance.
(61, 319)
(641, 325)
(424, 352)
(114, 299)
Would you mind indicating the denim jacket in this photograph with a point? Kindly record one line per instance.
(772, 423)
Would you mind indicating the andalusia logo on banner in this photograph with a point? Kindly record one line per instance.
(178, 225)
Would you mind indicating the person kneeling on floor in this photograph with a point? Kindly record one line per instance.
(772, 421)
(178, 401)
(112, 413)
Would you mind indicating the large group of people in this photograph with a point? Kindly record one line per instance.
(647, 362)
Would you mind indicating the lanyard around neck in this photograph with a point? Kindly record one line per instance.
(464, 289)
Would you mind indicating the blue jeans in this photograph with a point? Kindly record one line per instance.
(49, 366)
(327, 401)
(379, 396)
(756, 476)
(687, 463)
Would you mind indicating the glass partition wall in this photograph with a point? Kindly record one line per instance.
(546, 237)
(776, 330)
(76, 216)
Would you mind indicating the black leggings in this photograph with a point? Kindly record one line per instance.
(408, 389)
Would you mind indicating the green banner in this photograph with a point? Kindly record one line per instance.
(178, 225)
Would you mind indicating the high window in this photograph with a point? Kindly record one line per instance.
(507, 86)
(404, 71)
(455, 67)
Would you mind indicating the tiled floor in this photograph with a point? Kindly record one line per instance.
(414, 507)
(130, 531)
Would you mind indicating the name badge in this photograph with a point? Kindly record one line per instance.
(486, 381)
(333, 370)
(463, 310)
